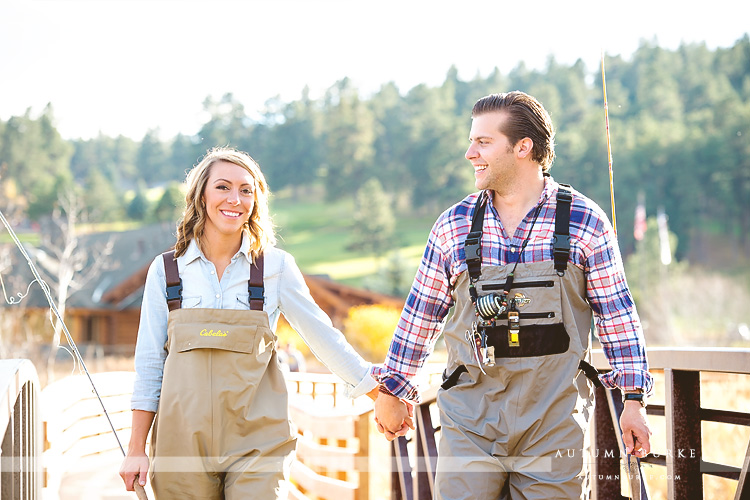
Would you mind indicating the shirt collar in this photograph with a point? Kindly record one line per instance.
(245, 246)
(550, 186)
(194, 252)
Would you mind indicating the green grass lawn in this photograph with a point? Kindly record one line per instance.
(317, 234)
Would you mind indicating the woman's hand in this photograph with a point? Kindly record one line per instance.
(135, 465)
(136, 462)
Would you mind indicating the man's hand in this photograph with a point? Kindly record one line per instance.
(636, 433)
(393, 416)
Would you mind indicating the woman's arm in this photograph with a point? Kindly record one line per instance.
(149, 366)
(136, 460)
(326, 342)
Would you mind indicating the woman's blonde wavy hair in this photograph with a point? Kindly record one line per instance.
(259, 226)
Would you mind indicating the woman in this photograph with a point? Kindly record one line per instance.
(207, 359)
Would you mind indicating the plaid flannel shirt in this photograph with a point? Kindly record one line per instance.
(593, 249)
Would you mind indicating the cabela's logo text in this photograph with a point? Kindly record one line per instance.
(210, 333)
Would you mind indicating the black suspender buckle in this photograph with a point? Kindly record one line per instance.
(561, 238)
(564, 195)
(255, 292)
(174, 292)
(472, 247)
(561, 245)
(473, 251)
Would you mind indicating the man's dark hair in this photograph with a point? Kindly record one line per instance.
(525, 117)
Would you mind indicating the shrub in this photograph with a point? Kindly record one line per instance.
(369, 328)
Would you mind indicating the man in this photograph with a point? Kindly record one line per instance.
(515, 403)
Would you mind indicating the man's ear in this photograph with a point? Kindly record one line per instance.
(524, 147)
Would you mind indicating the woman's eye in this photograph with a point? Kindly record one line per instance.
(247, 192)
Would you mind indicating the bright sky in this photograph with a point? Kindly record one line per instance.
(126, 66)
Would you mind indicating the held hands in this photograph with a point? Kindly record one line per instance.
(393, 416)
(636, 433)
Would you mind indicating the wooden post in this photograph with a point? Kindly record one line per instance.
(401, 481)
(362, 433)
(426, 449)
(684, 448)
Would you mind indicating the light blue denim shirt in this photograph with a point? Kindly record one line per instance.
(285, 292)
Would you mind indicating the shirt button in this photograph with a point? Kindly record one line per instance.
(213, 272)
(512, 249)
(218, 296)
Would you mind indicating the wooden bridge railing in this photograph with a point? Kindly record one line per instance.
(683, 457)
(20, 424)
(334, 446)
(78, 439)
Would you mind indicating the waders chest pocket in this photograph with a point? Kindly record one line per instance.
(235, 338)
(534, 340)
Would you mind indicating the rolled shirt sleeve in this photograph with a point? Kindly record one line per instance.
(617, 322)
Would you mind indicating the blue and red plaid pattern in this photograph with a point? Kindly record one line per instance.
(593, 249)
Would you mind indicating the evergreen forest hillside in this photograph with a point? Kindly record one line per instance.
(388, 163)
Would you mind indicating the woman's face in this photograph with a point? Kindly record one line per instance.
(229, 197)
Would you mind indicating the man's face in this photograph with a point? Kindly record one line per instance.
(490, 152)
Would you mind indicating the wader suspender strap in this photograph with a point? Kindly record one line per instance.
(561, 238)
(174, 283)
(473, 244)
(255, 285)
(561, 253)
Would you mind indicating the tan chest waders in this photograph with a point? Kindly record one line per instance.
(515, 405)
(222, 428)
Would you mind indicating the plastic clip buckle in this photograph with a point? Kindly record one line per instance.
(255, 292)
(174, 292)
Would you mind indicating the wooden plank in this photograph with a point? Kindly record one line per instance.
(88, 409)
(323, 425)
(331, 458)
(322, 486)
(92, 427)
(711, 359)
(296, 494)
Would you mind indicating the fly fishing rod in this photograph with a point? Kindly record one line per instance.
(45, 288)
(633, 463)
